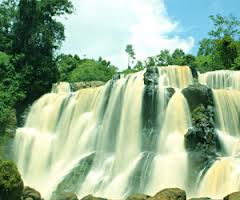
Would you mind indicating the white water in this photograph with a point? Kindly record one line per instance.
(221, 79)
(63, 128)
(224, 176)
(169, 167)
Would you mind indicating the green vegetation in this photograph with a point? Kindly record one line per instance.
(29, 37)
(11, 184)
(74, 69)
(131, 54)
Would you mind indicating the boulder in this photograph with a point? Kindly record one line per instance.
(198, 94)
(67, 196)
(30, 193)
(138, 197)
(91, 197)
(170, 194)
(151, 76)
(11, 184)
(233, 196)
(88, 84)
(202, 134)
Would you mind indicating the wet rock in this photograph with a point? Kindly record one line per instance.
(88, 84)
(30, 193)
(116, 76)
(11, 184)
(233, 196)
(170, 93)
(194, 72)
(198, 94)
(91, 197)
(170, 194)
(72, 182)
(67, 196)
(138, 197)
(202, 135)
(151, 76)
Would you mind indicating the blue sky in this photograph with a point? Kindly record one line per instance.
(104, 28)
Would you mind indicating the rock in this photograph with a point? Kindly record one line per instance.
(11, 184)
(194, 72)
(233, 196)
(90, 197)
(198, 94)
(116, 76)
(151, 76)
(31, 193)
(201, 198)
(170, 194)
(68, 196)
(88, 84)
(202, 133)
(138, 197)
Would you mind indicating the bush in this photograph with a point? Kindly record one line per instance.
(11, 184)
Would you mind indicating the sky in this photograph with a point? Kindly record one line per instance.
(104, 28)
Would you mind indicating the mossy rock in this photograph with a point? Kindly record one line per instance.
(11, 184)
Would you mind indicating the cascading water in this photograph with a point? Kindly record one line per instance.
(224, 175)
(221, 79)
(101, 131)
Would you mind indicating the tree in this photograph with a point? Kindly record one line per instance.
(37, 35)
(178, 57)
(91, 70)
(221, 48)
(229, 25)
(131, 54)
(164, 58)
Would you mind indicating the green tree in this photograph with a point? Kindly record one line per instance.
(131, 54)
(37, 35)
(229, 25)
(178, 57)
(91, 70)
(164, 58)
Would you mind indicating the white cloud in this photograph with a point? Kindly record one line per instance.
(104, 28)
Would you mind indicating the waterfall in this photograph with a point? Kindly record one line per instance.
(224, 175)
(101, 130)
(164, 170)
(221, 79)
(175, 76)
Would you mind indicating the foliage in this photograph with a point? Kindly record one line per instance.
(131, 54)
(29, 37)
(74, 69)
(221, 50)
(11, 184)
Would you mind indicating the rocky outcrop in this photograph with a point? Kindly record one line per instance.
(67, 196)
(198, 94)
(72, 182)
(201, 140)
(233, 196)
(202, 136)
(170, 194)
(30, 194)
(91, 197)
(11, 184)
(151, 79)
(89, 84)
(150, 109)
(138, 197)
